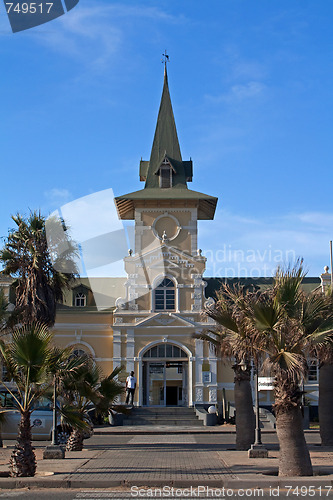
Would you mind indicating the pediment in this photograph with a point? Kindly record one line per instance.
(163, 255)
(162, 320)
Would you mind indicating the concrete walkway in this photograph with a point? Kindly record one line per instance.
(125, 457)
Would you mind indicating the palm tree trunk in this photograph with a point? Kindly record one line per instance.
(23, 460)
(325, 405)
(75, 441)
(294, 454)
(245, 419)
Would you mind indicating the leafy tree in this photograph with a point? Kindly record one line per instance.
(39, 255)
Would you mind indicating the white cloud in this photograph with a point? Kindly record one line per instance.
(93, 35)
(58, 196)
(317, 219)
(247, 246)
(239, 92)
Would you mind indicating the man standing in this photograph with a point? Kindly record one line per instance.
(130, 388)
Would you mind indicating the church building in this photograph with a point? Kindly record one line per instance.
(155, 323)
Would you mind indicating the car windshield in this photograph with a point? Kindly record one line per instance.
(42, 404)
(7, 400)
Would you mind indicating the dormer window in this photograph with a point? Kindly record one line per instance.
(80, 300)
(165, 174)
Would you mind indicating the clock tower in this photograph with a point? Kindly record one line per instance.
(155, 323)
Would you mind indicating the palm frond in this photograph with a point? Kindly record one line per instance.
(74, 417)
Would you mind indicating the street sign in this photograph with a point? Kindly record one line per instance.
(266, 383)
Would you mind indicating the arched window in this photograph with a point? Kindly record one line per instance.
(78, 353)
(165, 295)
(80, 300)
(165, 351)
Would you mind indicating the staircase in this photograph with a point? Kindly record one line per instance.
(267, 419)
(170, 416)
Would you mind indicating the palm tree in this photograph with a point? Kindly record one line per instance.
(324, 356)
(233, 340)
(83, 391)
(41, 263)
(289, 323)
(3, 315)
(282, 324)
(27, 357)
(62, 365)
(325, 410)
(3, 310)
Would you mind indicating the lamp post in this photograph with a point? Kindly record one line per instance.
(54, 451)
(257, 449)
(54, 429)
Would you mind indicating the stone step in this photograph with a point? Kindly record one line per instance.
(162, 409)
(175, 416)
(156, 418)
(163, 414)
(196, 423)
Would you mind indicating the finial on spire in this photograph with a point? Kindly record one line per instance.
(165, 60)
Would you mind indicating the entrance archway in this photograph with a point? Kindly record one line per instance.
(165, 376)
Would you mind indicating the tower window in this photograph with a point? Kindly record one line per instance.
(80, 300)
(165, 296)
(165, 176)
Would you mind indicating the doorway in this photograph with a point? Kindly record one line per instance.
(165, 383)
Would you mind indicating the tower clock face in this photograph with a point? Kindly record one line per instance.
(166, 227)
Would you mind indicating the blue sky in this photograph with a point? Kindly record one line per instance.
(252, 89)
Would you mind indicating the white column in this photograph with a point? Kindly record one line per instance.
(140, 380)
(190, 380)
(116, 348)
(198, 398)
(130, 342)
(194, 232)
(213, 369)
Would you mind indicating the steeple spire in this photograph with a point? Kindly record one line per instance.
(166, 175)
(166, 138)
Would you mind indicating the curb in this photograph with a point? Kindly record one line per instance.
(258, 482)
(155, 432)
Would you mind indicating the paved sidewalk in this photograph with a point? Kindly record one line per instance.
(166, 459)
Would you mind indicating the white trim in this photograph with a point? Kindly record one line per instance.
(165, 215)
(160, 341)
(69, 335)
(156, 280)
(80, 326)
(191, 360)
(81, 342)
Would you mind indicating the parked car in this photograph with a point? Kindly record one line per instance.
(41, 421)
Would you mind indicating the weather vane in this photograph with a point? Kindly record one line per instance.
(166, 58)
